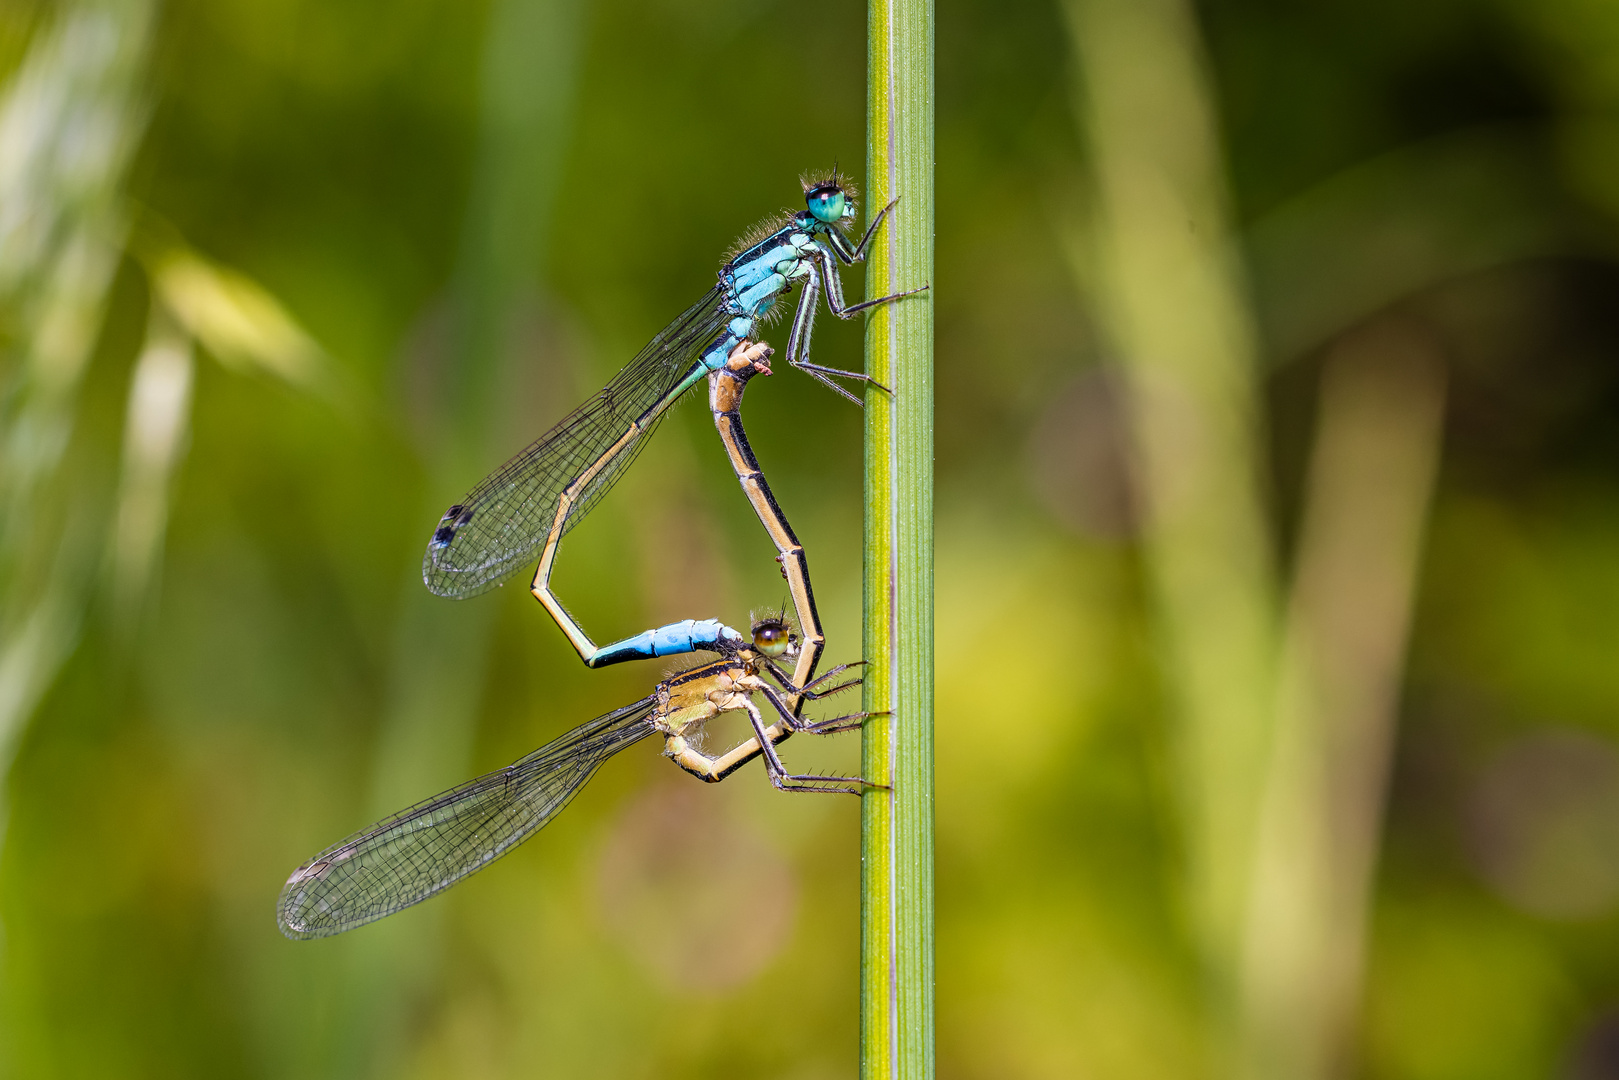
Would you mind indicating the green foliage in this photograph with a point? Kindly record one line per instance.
(1448, 162)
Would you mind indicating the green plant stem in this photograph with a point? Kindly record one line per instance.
(896, 984)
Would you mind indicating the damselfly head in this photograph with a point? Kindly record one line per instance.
(829, 197)
(773, 636)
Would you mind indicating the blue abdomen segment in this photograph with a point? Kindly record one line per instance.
(736, 332)
(688, 635)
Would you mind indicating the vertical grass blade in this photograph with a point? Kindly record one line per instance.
(896, 985)
(1171, 303)
(1371, 478)
(69, 124)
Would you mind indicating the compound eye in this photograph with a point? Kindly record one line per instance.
(771, 638)
(827, 203)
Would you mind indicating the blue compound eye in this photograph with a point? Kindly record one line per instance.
(827, 203)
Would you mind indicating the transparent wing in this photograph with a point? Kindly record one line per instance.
(404, 859)
(504, 521)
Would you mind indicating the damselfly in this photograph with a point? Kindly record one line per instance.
(404, 859)
(528, 504)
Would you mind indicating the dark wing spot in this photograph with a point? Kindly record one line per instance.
(443, 536)
(465, 518)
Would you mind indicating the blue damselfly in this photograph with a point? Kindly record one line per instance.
(530, 503)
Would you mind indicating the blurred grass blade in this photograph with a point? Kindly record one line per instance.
(1172, 307)
(237, 320)
(1370, 482)
(68, 123)
(156, 426)
(67, 126)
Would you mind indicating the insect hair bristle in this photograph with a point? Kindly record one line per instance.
(772, 615)
(759, 231)
(812, 180)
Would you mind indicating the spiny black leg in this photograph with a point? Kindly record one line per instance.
(798, 341)
(773, 669)
(780, 778)
(803, 318)
(834, 289)
(845, 723)
(838, 689)
(834, 785)
(816, 375)
(864, 304)
(849, 722)
(840, 373)
(860, 249)
(842, 785)
(808, 689)
(831, 674)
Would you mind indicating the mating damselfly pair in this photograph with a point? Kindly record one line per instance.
(530, 503)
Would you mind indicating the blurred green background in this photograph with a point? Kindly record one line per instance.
(279, 280)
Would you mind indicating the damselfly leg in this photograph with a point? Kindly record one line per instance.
(736, 691)
(822, 267)
(779, 776)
